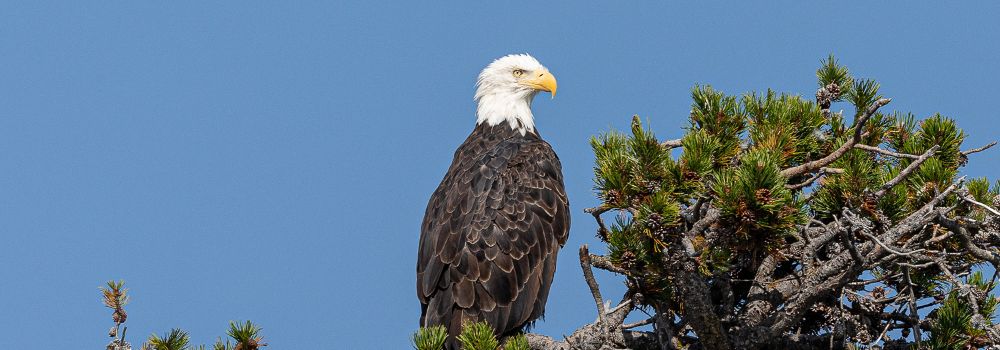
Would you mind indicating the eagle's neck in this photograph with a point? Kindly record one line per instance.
(513, 107)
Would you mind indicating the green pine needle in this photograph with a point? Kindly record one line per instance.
(517, 342)
(176, 339)
(219, 345)
(478, 336)
(831, 71)
(863, 94)
(429, 338)
(246, 335)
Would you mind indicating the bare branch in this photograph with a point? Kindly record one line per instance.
(595, 290)
(981, 205)
(710, 218)
(671, 144)
(689, 285)
(833, 274)
(805, 183)
(906, 172)
(885, 151)
(639, 324)
(590, 338)
(853, 249)
(914, 315)
(980, 149)
(966, 240)
(965, 289)
(890, 249)
(596, 212)
(811, 179)
(604, 263)
(888, 323)
(859, 125)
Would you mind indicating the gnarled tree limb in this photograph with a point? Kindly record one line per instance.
(859, 125)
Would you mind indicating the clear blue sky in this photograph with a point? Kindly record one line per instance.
(272, 161)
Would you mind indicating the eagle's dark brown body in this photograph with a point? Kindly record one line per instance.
(491, 233)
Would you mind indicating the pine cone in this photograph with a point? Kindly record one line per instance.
(654, 222)
(652, 187)
(823, 98)
(628, 260)
(833, 89)
(827, 94)
(763, 196)
(119, 316)
(119, 344)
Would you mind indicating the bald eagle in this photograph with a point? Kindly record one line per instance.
(493, 227)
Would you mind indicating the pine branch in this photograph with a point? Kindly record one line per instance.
(885, 151)
(595, 290)
(822, 171)
(671, 144)
(603, 263)
(726, 253)
(906, 172)
(858, 129)
(602, 230)
(912, 302)
(979, 204)
(980, 149)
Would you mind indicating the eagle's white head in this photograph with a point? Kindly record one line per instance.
(506, 87)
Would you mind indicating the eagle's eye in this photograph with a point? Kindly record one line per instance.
(518, 73)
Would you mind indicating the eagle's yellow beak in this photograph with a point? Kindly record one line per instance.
(542, 80)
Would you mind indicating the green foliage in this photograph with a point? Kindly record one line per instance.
(517, 342)
(478, 336)
(831, 72)
(720, 116)
(246, 335)
(901, 131)
(633, 249)
(115, 294)
(980, 190)
(786, 124)
(700, 153)
(219, 345)
(176, 339)
(863, 94)
(631, 166)
(862, 173)
(613, 173)
(939, 130)
(429, 338)
(753, 194)
(731, 159)
(474, 336)
(932, 178)
(627, 249)
(988, 304)
(894, 205)
(952, 326)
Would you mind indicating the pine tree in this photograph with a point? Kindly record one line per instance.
(781, 223)
(246, 335)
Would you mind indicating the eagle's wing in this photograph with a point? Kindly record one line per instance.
(490, 236)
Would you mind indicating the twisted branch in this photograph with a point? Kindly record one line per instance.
(822, 162)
